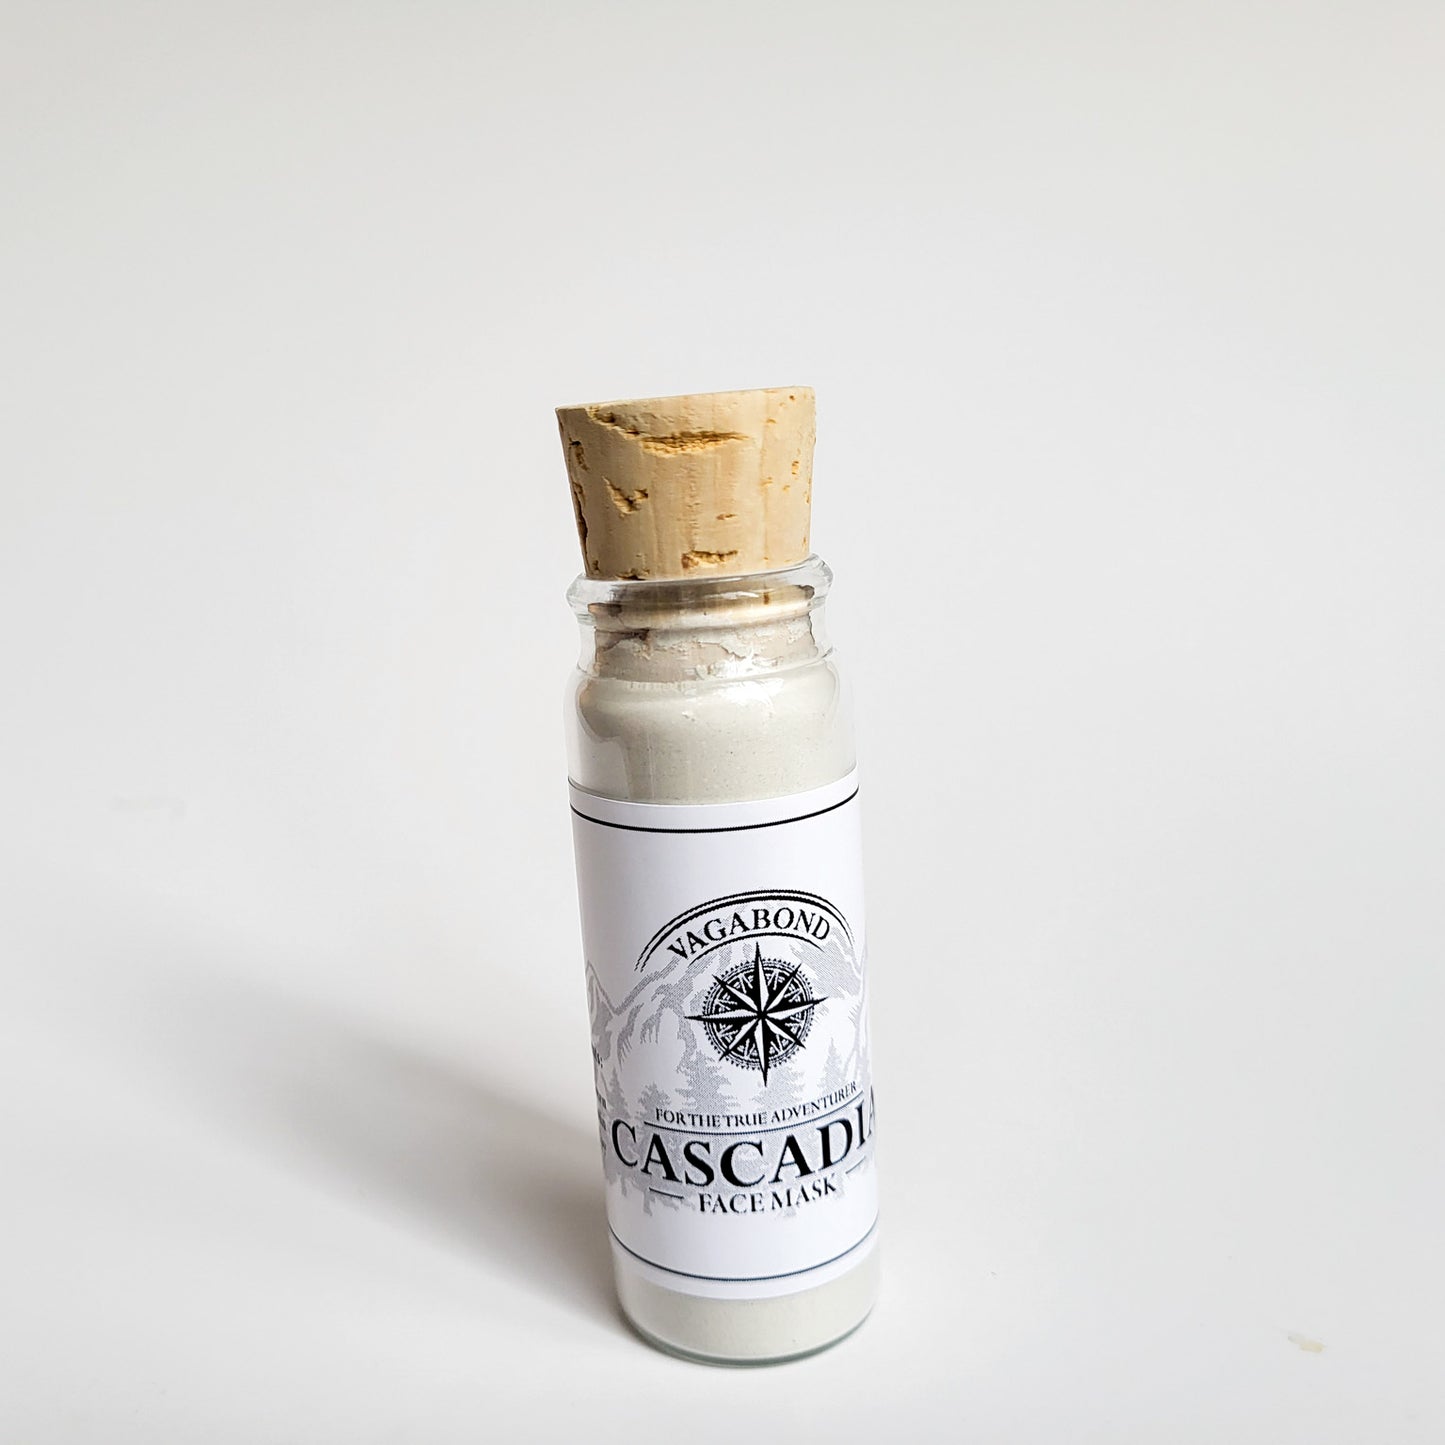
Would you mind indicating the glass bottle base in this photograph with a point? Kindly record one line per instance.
(747, 1332)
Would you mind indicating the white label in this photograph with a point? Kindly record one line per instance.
(728, 995)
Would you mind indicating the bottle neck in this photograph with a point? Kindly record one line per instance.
(697, 630)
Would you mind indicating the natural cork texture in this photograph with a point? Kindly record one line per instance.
(716, 484)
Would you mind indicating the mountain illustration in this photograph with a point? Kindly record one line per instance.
(646, 1038)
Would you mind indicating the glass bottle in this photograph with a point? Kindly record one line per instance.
(714, 794)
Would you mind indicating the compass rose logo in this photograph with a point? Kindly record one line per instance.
(757, 1014)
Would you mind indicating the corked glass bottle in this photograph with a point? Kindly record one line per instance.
(715, 811)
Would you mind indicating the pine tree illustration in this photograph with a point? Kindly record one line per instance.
(784, 1086)
(706, 1090)
(616, 1108)
(652, 1100)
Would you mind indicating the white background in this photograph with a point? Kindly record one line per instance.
(1126, 325)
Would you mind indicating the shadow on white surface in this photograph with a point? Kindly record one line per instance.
(408, 1135)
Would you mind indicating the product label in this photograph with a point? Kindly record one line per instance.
(727, 989)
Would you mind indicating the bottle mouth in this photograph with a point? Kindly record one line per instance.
(698, 602)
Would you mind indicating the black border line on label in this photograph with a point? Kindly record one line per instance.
(729, 828)
(749, 1278)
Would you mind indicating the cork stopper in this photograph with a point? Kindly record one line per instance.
(715, 484)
